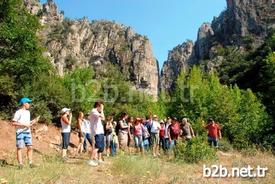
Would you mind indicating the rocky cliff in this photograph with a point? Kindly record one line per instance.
(243, 21)
(81, 43)
(178, 59)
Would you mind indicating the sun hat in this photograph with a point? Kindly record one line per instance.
(65, 110)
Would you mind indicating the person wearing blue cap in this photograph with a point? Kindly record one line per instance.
(22, 122)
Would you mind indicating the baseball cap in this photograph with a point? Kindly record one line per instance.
(24, 100)
(65, 110)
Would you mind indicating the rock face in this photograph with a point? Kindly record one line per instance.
(178, 59)
(242, 20)
(80, 43)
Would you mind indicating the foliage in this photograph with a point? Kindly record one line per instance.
(21, 58)
(49, 96)
(120, 95)
(256, 71)
(224, 145)
(200, 96)
(82, 89)
(194, 150)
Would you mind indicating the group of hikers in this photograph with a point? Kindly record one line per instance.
(107, 136)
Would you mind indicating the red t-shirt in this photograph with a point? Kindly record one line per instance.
(174, 131)
(162, 131)
(213, 130)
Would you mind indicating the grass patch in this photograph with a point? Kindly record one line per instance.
(124, 169)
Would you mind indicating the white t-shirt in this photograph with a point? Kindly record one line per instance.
(155, 127)
(22, 116)
(96, 123)
(65, 127)
(166, 130)
(87, 126)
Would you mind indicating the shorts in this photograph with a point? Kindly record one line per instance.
(138, 141)
(99, 142)
(154, 138)
(23, 139)
(65, 140)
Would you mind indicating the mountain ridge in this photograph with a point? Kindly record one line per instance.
(243, 23)
(81, 43)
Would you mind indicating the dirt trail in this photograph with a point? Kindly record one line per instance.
(46, 139)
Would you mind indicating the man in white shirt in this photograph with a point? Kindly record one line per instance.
(155, 135)
(96, 117)
(22, 122)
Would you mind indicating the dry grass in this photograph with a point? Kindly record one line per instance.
(133, 169)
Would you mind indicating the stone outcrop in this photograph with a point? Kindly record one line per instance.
(178, 59)
(81, 43)
(242, 20)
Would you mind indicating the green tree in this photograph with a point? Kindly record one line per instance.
(200, 96)
(21, 59)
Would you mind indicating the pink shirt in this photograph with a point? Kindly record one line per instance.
(138, 130)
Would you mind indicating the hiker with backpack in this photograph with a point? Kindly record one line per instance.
(173, 132)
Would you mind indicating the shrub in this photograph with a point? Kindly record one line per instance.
(194, 150)
(224, 145)
(200, 96)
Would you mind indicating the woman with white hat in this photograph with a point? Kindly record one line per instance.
(66, 120)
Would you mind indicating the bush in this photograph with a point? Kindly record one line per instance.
(201, 95)
(194, 150)
(224, 145)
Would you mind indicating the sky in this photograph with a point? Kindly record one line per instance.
(166, 23)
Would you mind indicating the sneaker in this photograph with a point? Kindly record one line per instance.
(93, 163)
(20, 167)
